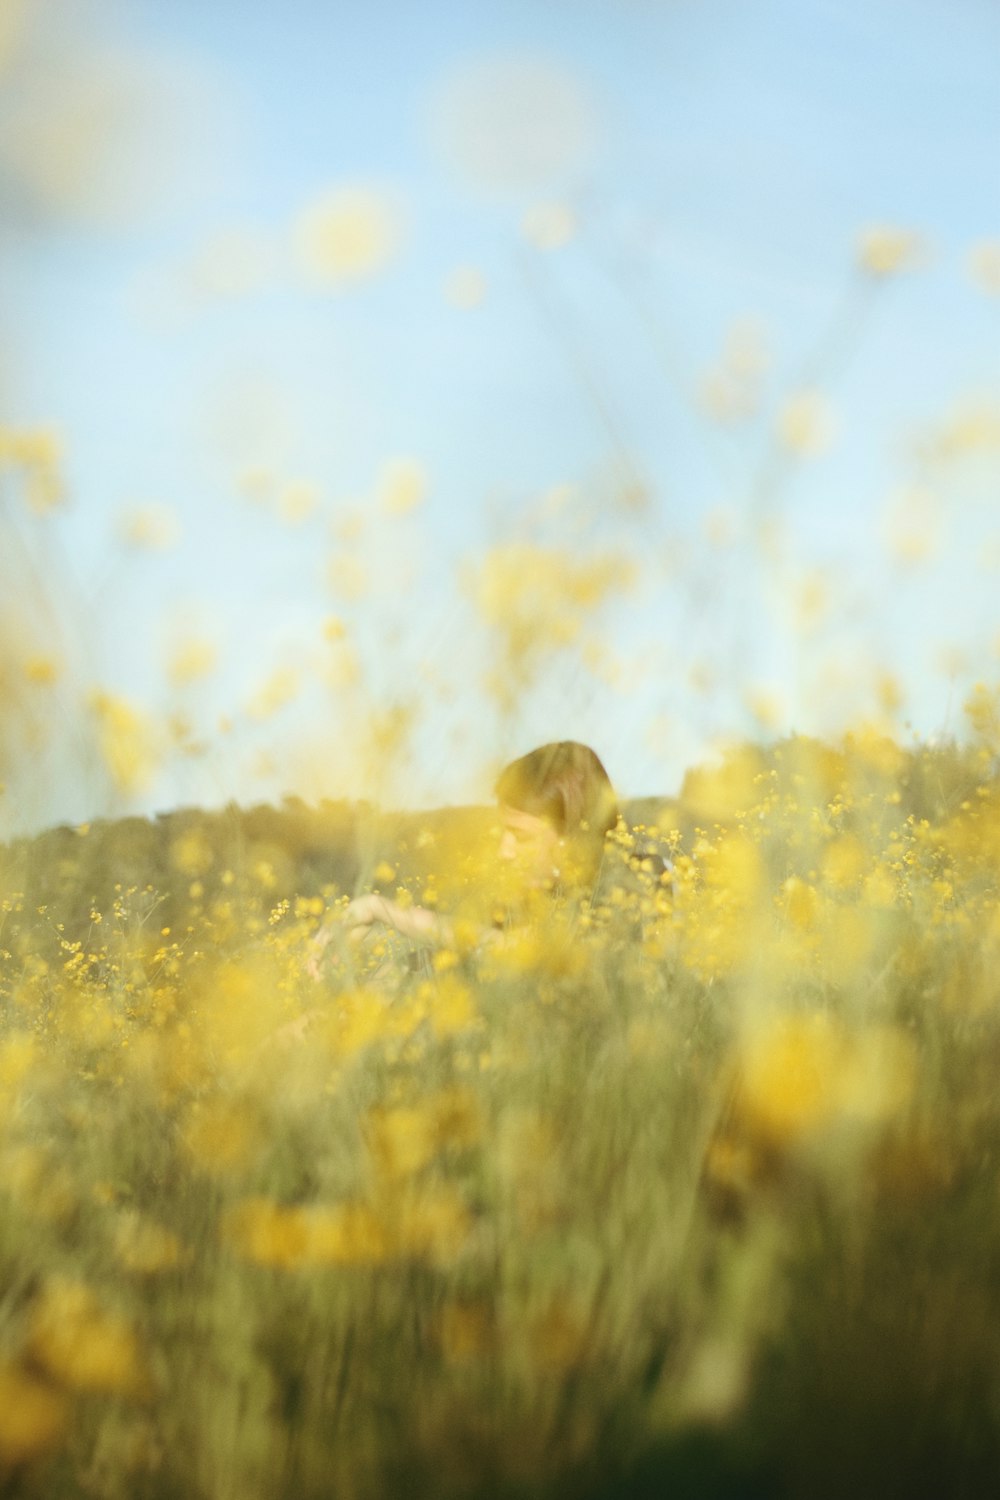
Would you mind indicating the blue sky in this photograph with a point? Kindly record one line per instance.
(719, 162)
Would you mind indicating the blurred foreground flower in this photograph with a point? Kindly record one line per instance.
(151, 527)
(36, 455)
(128, 741)
(806, 424)
(80, 1344)
(549, 226)
(800, 1074)
(33, 1416)
(984, 266)
(402, 486)
(347, 235)
(884, 249)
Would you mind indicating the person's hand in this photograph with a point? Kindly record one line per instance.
(361, 913)
(316, 952)
(357, 918)
(314, 961)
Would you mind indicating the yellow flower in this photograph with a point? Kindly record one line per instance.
(191, 852)
(127, 739)
(298, 501)
(984, 266)
(789, 1071)
(799, 902)
(450, 1006)
(434, 1223)
(281, 687)
(152, 527)
(883, 250)
(145, 1247)
(347, 234)
(806, 424)
(80, 1345)
(41, 671)
(33, 1416)
(403, 1140)
(402, 486)
(263, 1231)
(190, 660)
(221, 1136)
(549, 226)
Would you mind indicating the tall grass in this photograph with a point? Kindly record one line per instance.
(687, 1189)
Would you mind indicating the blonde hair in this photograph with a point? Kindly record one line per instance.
(566, 784)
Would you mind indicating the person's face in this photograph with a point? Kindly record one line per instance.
(530, 845)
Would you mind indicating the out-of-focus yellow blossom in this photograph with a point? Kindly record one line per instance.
(913, 525)
(549, 226)
(298, 501)
(810, 601)
(127, 739)
(363, 1017)
(984, 266)
(767, 706)
(884, 249)
(847, 937)
(222, 1135)
(879, 1074)
(403, 1140)
(152, 527)
(36, 454)
(806, 424)
(265, 1232)
(347, 234)
(465, 288)
(257, 484)
(972, 429)
(347, 576)
(432, 1222)
(33, 1416)
(80, 1344)
(889, 694)
(799, 903)
(800, 1074)
(537, 600)
(402, 486)
(191, 852)
(18, 1054)
(342, 668)
(731, 391)
(844, 861)
(41, 671)
(277, 690)
(146, 1247)
(450, 1005)
(191, 660)
(982, 712)
(718, 793)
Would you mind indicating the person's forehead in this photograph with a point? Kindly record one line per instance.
(522, 822)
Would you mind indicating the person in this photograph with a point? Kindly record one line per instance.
(557, 805)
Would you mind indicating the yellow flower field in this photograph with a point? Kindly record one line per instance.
(664, 1191)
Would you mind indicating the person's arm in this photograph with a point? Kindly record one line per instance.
(415, 922)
